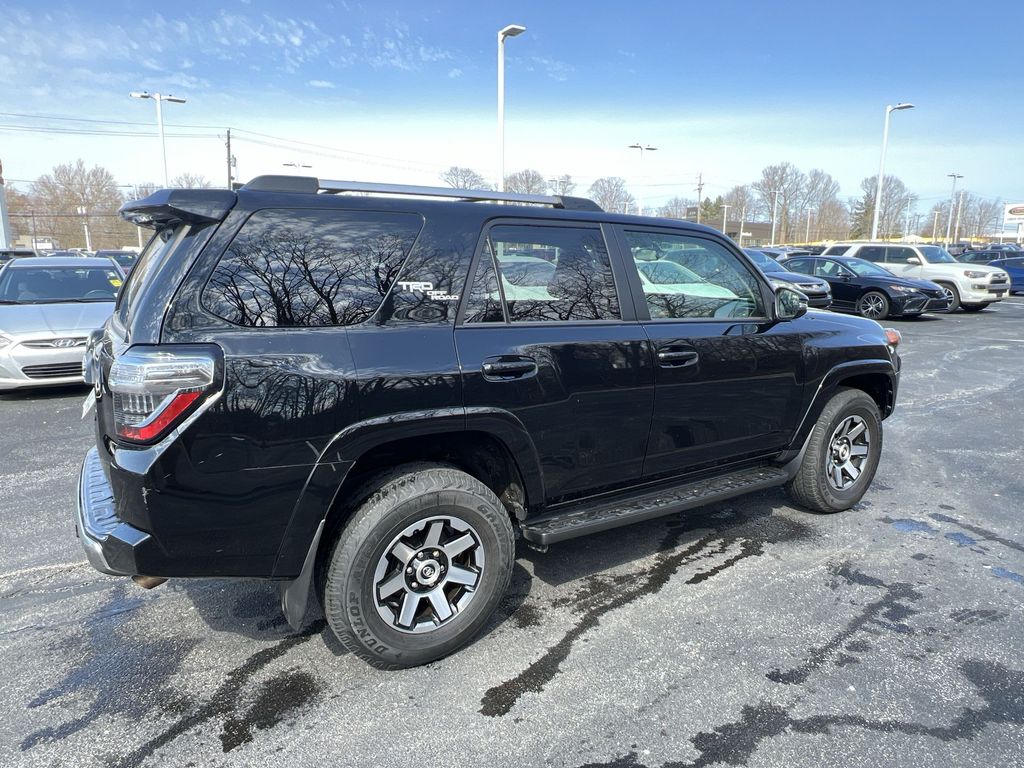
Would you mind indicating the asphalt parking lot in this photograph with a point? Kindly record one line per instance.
(749, 633)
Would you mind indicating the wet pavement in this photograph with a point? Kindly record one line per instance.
(745, 634)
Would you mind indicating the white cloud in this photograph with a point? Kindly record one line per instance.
(320, 84)
(454, 72)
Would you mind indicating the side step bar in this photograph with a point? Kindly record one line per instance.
(600, 516)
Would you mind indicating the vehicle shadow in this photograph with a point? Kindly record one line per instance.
(44, 393)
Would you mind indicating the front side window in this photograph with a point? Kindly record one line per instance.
(933, 254)
(899, 255)
(804, 266)
(295, 268)
(687, 277)
(547, 274)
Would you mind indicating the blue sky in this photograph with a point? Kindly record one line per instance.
(398, 91)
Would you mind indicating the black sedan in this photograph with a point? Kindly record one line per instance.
(818, 293)
(870, 290)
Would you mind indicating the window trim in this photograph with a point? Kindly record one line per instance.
(627, 312)
(643, 312)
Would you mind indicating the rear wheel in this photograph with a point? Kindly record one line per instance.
(842, 454)
(873, 305)
(973, 307)
(952, 297)
(420, 567)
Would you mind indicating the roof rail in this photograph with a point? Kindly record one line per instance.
(309, 184)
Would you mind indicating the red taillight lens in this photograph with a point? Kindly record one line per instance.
(154, 391)
(893, 337)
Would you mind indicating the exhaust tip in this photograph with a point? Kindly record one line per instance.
(149, 582)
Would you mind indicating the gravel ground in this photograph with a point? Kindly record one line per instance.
(748, 633)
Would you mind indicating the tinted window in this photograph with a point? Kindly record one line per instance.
(806, 266)
(310, 268)
(484, 302)
(549, 274)
(836, 250)
(691, 277)
(898, 255)
(872, 253)
(37, 285)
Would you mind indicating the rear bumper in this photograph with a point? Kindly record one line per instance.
(110, 545)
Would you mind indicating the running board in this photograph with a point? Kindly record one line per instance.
(600, 516)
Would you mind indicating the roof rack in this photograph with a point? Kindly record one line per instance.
(309, 184)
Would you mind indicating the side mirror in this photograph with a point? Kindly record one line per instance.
(913, 260)
(789, 304)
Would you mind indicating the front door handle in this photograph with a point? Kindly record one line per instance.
(676, 358)
(506, 368)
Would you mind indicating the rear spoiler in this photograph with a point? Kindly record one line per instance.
(172, 206)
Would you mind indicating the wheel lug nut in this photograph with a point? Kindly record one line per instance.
(415, 585)
(436, 553)
(409, 569)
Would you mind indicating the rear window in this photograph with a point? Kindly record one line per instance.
(295, 268)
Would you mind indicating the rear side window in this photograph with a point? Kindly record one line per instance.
(835, 250)
(162, 243)
(799, 265)
(306, 268)
(547, 274)
(875, 253)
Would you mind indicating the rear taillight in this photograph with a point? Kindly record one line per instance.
(155, 390)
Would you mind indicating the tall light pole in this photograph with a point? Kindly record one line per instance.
(725, 213)
(775, 213)
(952, 205)
(510, 31)
(643, 148)
(807, 235)
(935, 228)
(881, 166)
(959, 209)
(159, 98)
(743, 215)
(84, 213)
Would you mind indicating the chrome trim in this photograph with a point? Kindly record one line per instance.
(327, 185)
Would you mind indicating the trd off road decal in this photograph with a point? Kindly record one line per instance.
(426, 288)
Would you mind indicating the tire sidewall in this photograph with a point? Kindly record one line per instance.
(865, 408)
(954, 301)
(350, 600)
(886, 305)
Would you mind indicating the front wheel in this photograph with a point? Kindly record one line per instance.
(873, 305)
(952, 298)
(842, 454)
(419, 569)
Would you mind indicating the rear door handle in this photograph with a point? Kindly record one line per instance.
(505, 368)
(676, 358)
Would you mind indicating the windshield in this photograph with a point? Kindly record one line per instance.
(53, 285)
(936, 255)
(866, 268)
(764, 261)
(667, 273)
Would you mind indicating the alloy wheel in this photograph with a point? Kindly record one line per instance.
(847, 455)
(872, 305)
(428, 574)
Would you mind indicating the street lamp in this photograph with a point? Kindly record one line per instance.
(512, 30)
(643, 148)
(159, 98)
(881, 165)
(952, 205)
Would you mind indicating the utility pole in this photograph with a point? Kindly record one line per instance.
(84, 213)
(807, 235)
(959, 209)
(230, 158)
(743, 215)
(935, 226)
(952, 205)
(700, 190)
(5, 224)
(725, 212)
(775, 213)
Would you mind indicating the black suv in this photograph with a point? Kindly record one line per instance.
(367, 397)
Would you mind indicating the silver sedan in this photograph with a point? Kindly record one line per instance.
(48, 308)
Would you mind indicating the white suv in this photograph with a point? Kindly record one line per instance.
(969, 286)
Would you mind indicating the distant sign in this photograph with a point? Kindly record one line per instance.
(1014, 214)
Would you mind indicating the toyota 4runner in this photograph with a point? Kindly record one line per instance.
(367, 397)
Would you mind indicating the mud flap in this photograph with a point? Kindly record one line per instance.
(295, 593)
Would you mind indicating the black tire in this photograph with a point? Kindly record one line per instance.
(954, 297)
(973, 307)
(403, 498)
(873, 305)
(810, 486)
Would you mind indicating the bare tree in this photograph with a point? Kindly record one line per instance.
(190, 181)
(527, 181)
(611, 194)
(788, 183)
(897, 203)
(463, 178)
(73, 197)
(675, 208)
(741, 202)
(563, 185)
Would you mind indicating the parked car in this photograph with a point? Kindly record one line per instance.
(336, 391)
(1011, 247)
(972, 288)
(1014, 267)
(125, 259)
(818, 292)
(6, 254)
(48, 308)
(871, 290)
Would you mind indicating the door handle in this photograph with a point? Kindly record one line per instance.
(676, 358)
(503, 369)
